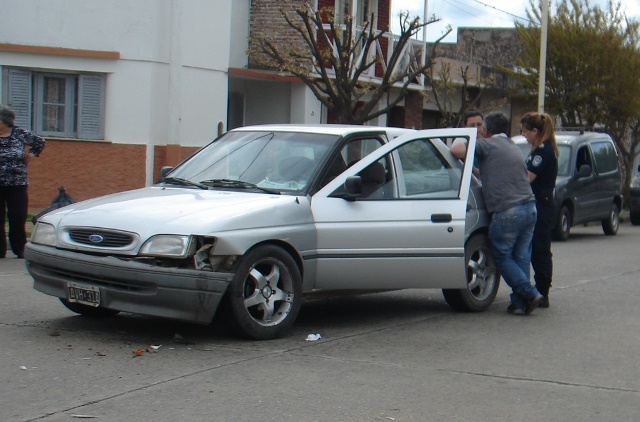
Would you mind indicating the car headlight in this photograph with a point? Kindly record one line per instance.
(170, 245)
(44, 234)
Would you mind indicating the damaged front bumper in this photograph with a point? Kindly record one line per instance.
(129, 286)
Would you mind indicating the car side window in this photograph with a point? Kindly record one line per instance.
(350, 153)
(425, 173)
(583, 157)
(605, 156)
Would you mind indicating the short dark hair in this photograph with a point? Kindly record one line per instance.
(469, 114)
(496, 122)
(7, 115)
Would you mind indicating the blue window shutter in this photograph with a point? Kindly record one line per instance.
(19, 96)
(91, 107)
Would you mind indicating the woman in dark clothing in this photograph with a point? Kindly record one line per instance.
(542, 164)
(13, 179)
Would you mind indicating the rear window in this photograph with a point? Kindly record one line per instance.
(563, 160)
(605, 156)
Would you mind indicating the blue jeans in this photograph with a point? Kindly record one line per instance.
(510, 233)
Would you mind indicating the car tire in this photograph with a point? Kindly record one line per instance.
(563, 226)
(611, 224)
(635, 217)
(90, 311)
(265, 295)
(483, 278)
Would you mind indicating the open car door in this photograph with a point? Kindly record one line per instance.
(396, 218)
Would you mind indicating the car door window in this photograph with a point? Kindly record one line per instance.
(605, 157)
(425, 173)
(350, 153)
(583, 157)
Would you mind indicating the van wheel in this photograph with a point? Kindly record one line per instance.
(635, 218)
(563, 225)
(611, 224)
(483, 278)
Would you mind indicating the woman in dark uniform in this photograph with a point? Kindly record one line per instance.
(542, 164)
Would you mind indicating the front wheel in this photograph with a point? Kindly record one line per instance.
(90, 311)
(265, 295)
(483, 278)
(611, 224)
(563, 225)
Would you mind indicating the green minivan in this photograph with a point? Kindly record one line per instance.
(588, 186)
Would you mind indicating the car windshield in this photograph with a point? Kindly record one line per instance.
(563, 160)
(283, 162)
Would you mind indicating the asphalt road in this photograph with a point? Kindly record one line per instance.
(399, 356)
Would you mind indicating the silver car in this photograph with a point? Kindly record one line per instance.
(266, 214)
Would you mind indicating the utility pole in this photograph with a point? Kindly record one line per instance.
(542, 72)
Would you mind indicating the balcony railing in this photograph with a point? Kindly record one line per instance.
(412, 56)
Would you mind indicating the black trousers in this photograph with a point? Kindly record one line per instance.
(541, 256)
(14, 204)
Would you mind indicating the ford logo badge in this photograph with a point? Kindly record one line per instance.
(96, 238)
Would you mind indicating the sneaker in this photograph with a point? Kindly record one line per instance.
(514, 311)
(532, 304)
(544, 302)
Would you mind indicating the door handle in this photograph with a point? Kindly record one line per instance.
(441, 218)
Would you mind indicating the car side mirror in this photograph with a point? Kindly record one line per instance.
(584, 171)
(164, 171)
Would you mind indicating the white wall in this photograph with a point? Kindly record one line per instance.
(305, 107)
(267, 103)
(170, 83)
(240, 13)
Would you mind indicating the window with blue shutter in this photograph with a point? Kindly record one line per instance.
(57, 104)
(90, 106)
(19, 96)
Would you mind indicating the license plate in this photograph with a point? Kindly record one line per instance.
(81, 293)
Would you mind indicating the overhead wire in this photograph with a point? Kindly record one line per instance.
(480, 12)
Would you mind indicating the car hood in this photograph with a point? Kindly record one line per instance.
(182, 211)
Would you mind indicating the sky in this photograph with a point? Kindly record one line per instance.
(481, 13)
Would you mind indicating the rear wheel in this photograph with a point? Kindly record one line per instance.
(483, 278)
(563, 225)
(265, 295)
(90, 311)
(611, 224)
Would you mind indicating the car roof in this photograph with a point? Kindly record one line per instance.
(327, 129)
(568, 137)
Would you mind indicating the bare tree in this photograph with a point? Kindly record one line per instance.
(343, 64)
(456, 89)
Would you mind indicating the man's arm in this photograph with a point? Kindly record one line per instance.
(459, 150)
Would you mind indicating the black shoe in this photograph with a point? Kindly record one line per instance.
(532, 304)
(514, 311)
(544, 302)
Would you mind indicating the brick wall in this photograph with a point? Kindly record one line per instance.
(91, 169)
(413, 110)
(266, 21)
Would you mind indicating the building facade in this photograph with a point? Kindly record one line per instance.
(120, 89)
